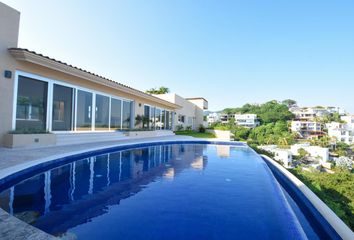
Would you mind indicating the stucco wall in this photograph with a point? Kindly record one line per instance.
(9, 24)
(189, 109)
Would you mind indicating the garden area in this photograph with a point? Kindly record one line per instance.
(336, 190)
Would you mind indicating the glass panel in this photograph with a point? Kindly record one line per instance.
(158, 122)
(163, 119)
(152, 117)
(84, 111)
(116, 114)
(126, 115)
(102, 113)
(146, 118)
(62, 108)
(167, 123)
(170, 120)
(31, 110)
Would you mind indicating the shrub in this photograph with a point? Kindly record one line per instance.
(179, 127)
(28, 131)
(201, 128)
(189, 128)
(260, 151)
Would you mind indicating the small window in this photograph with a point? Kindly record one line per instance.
(181, 118)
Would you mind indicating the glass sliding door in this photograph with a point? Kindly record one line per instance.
(31, 111)
(152, 118)
(146, 118)
(167, 122)
(84, 111)
(158, 122)
(170, 121)
(126, 115)
(163, 119)
(62, 108)
(116, 114)
(102, 113)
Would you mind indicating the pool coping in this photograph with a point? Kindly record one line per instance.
(332, 219)
(13, 228)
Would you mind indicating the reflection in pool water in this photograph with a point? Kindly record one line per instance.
(183, 191)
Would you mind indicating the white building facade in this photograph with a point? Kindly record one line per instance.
(246, 120)
(343, 132)
(282, 155)
(314, 151)
(213, 118)
(307, 129)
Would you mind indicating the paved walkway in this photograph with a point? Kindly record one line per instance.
(12, 160)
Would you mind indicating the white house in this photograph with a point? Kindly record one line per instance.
(343, 132)
(213, 118)
(246, 120)
(307, 128)
(191, 112)
(314, 151)
(224, 118)
(282, 155)
(308, 113)
(349, 119)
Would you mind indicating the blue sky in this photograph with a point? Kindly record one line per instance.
(230, 52)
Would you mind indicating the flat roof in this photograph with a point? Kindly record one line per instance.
(196, 98)
(23, 54)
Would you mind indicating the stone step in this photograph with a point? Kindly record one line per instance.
(77, 138)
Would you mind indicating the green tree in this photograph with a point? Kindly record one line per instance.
(302, 153)
(341, 149)
(241, 133)
(336, 190)
(289, 102)
(269, 112)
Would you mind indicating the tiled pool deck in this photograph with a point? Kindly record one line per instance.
(11, 160)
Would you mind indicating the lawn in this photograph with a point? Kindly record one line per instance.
(195, 134)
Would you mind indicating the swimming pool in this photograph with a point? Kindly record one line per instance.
(158, 191)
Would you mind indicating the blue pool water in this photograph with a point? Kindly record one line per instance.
(177, 191)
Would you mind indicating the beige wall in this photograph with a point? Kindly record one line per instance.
(190, 108)
(9, 24)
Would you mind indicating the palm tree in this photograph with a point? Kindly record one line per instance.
(160, 90)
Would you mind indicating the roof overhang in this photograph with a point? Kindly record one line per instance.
(25, 55)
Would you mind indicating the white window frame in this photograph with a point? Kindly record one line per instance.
(75, 88)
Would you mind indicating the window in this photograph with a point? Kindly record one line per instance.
(102, 112)
(116, 113)
(31, 111)
(126, 115)
(84, 111)
(181, 118)
(62, 108)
